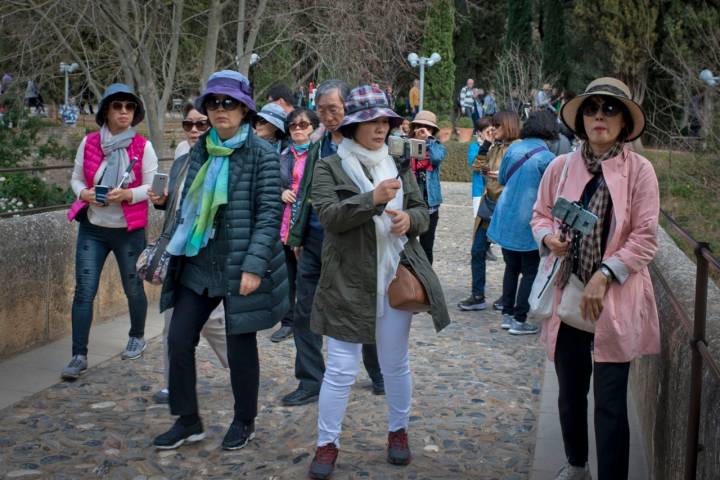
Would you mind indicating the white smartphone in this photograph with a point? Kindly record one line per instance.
(159, 183)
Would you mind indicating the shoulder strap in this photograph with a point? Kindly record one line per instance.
(522, 161)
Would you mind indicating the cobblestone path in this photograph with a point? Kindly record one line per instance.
(474, 415)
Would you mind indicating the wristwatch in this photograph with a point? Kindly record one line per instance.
(607, 272)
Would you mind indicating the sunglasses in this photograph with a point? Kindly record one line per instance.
(227, 104)
(610, 107)
(118, 106)
(200, 125)
(302, 125)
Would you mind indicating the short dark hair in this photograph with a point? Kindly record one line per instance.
(624, 133)
(540, 124)
(298, 112)
(187, 108)
(281, 91)
(348, 131)
(482, 123)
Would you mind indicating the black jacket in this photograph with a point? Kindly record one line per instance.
(253, 216)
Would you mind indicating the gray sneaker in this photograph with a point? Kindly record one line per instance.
(489, 255)
(134, 349)
(507, 321)
(75, 368)
(522, 328)
(568, 472)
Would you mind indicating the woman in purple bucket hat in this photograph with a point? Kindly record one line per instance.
(225, 248)
(372, 211)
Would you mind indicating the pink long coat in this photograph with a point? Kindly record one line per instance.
(628, 326)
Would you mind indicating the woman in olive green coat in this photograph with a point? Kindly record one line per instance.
(372, 220)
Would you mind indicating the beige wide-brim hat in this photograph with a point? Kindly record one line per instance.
(610, 87)
(425, 118)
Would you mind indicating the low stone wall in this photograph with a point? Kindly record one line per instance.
(37, 268)
(661, 384)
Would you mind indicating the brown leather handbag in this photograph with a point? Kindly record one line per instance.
(406, 292)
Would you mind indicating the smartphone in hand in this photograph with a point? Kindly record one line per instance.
(159, 184)
(101, 192)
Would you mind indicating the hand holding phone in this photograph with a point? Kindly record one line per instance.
(101, 192)
(159, 184)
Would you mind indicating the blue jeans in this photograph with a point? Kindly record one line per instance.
(94, 243)
(477, 261)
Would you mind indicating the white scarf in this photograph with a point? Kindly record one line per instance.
(381, 167)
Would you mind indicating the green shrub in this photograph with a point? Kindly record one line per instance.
(465, 122)
(454, 167)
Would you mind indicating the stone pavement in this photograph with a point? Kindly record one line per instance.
(475, 414)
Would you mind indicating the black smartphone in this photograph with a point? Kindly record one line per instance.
(101, 192)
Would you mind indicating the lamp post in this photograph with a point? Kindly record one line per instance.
(711, 82)
(416, 60)
(67, 69)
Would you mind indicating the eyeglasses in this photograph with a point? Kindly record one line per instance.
(302, 125)
(118, 106)
(610, 107)
(227, 104)
(200, 125)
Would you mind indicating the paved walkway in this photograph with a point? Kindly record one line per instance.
(479, 404)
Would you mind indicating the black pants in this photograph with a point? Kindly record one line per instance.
(309, 363)
(574, 367)
(427, 239)
(514, 299)
(190, 314)
(291, 264)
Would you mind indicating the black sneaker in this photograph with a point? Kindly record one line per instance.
(178, 435)
(238, 435)
(378, 388)
(323, 464)
(300, 397)
(282, 333)
(399, 448)
(473, 302)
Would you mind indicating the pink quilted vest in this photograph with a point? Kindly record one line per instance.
(135, 215)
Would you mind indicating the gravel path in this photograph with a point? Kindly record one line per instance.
(475, 406)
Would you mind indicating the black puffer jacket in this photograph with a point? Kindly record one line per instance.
(253, 216)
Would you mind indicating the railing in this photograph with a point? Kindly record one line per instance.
(49, 208)
(698, 343)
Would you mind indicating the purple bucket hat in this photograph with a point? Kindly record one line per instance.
(366, 103)
(230, 83)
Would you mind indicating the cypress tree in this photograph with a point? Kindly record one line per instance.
(554, 42)
(440, 78)
(519, 25)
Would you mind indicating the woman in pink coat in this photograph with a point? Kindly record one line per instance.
(620, 187)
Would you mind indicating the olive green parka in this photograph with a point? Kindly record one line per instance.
(345, 300)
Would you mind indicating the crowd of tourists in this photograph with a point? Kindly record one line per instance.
(310, 218)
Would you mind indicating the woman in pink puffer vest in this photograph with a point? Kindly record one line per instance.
(113, 171)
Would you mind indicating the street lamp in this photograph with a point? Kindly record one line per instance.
(416, 60)
(67, 69)
(709, 79)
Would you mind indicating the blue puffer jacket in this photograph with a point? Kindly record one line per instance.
(437, 154)
(510, 224)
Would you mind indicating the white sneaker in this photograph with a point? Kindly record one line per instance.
(569, 472)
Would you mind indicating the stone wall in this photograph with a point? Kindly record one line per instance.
(37, 268)
(661, 384)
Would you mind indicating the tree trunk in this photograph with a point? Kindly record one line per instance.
(211, 41)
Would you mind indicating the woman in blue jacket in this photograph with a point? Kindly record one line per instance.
(427, 173)
(521, 171)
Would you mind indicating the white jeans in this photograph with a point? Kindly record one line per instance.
(343, 362)
(213, 331)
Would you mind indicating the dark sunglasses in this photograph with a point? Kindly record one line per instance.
(201, 125)
(227, 104)
(610, 107)
(302, 125)
(118, 106)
